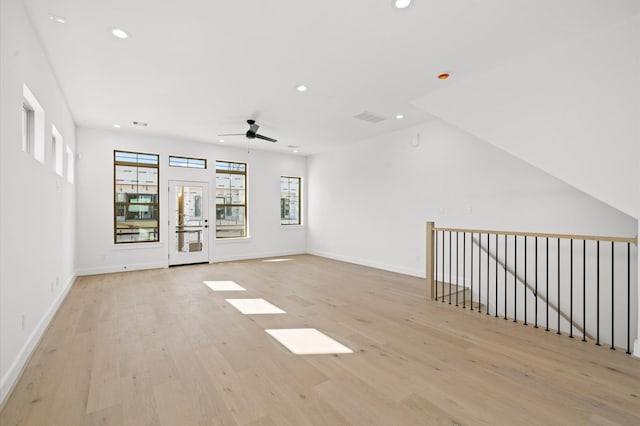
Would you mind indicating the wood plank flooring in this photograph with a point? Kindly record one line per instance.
(160, 348)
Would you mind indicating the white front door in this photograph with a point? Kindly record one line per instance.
(188, 222)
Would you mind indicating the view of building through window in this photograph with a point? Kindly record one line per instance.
(290, 200)
(231, 199)
(136, 213)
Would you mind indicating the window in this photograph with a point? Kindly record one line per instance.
(231, 200)
(27, 128)
(136, 212)
(70, 164)
(290, 200)
(192, 163)
(57, 161)
(32, 125)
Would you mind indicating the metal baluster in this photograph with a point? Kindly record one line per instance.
(457, 276)
(571, 289)
(479, 273)
(584, 290)
(515, 279)
(488, 286)
(505, 276)
(525, 280)
(598, 295)
(443, 266)
(547, 292)
(613, 348)
(471, 272)
(536, 301)
(496, 290)
(628, 299)
(436, 262)
(450, 259)
(464, 270)
(558, 332)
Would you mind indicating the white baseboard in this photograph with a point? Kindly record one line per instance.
(365, 262)
(121, 268)
(10, 379)
(221, 259)
(636, 348)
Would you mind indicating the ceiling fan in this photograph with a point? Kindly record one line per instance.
(252, 133)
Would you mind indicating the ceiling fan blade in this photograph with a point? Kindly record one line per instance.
(231, 134)
(266, 138)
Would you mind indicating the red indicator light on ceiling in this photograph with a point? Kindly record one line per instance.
(443, 76)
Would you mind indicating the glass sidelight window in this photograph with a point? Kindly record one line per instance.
(231, 199)
(290, 200)
(136, 213)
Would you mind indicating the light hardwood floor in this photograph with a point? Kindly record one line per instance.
(160, 348)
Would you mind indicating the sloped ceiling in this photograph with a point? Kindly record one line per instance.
(196, 68)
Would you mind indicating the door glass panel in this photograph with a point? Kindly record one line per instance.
(189, 221)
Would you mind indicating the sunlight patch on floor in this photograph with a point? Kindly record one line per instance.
(223, 286)
(308, 341)
(255, 306)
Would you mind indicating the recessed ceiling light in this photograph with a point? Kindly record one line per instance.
(120, 33)
(301, 88)
(117, 126)
(295, 150)
(58, 19)
(399, 116)
(443, 76)
(221, 140)
(401, 4)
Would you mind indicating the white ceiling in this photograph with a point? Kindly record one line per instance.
(197, 68)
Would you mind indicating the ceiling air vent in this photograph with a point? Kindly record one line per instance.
(370, 117)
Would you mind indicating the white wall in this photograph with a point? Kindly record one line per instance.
(369, 201)
(37, 208)
(98, 254)
(573, 111)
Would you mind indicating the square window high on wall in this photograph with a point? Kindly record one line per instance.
(57, 161)
(32, 125)
(136, 197)
(231, 199)
(290, 194)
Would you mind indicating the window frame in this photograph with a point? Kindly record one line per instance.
(299, 223)
(188, 166)
(28, 128)
(116, 204)
(225, 205)
(35, 125)
(57, 158)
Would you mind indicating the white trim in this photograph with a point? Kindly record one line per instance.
(231, 240)
(256, 256)
(121, 268)
(419, 273)
(291, 227)
(636, 348)
(140, 245)
(14, 372)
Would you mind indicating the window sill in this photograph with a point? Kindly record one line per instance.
(136, 246)
(231, 240)
(291, 227)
